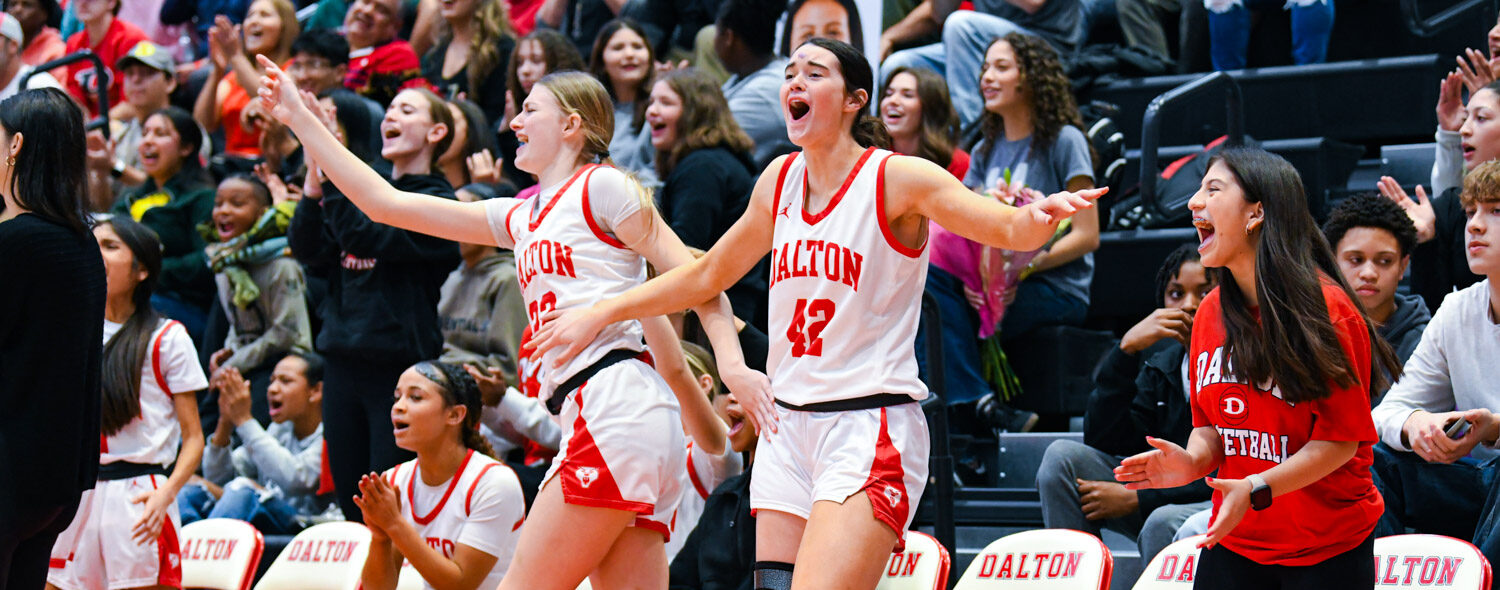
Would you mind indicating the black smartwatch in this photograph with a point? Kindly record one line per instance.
(1260, 492)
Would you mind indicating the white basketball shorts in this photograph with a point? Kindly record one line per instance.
(97, 551)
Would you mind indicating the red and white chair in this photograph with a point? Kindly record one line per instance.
(220, 553)
(923, 565)
(328, 556)
(1042, 559)
(1174, 568)
(1429, 561)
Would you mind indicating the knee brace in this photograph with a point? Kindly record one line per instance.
(773, 575)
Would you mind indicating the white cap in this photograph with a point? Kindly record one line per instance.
(11, 28)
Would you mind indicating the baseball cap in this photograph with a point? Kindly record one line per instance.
(149, 54)
(10, 28)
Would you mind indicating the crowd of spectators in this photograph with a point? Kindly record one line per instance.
(305, 313)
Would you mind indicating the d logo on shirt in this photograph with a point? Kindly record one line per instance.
(1233, 408)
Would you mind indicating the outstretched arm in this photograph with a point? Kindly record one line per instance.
(435, 216)
(922, 188)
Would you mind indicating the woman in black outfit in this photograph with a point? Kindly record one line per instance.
(704, 158)
(51, 324)
(380, 314)
(472, 55)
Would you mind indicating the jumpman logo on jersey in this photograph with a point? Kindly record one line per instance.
(783, 211)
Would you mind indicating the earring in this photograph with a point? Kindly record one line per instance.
(11, 161)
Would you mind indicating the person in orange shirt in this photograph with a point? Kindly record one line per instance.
(110, 38)
(42, 42)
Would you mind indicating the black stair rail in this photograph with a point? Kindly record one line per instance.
(101, 82)
(1176, 98)
(1447, 17)
(940, 462)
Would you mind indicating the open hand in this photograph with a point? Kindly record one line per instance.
(572, 330)
(1475, 69)
(148, 527)
(1450, 105)
(1166, 466)
(491, 382)
(274, 184)
(224, 42)
(1420, 211)
(1236, 501)
(753, 391)
(379, 503)
(279, 93)
(484, 167)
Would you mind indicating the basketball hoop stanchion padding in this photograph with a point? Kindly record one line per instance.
(940, 464)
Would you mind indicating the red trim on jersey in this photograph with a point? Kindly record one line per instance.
(411, 486)
(588, 216)
(557, 197)
(56, 564)
(651, 525)
(886, 486)
(780, 182)
(517, 526)
(584, 462)
(469, 497)
(161, 380)
(169, 553)
(508, 217)
(885, 222)
(103, 443)
(693, 474)
(325, 473)
(838, 196)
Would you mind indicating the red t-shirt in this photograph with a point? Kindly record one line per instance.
(118, 40)
(382, 72)
(1259, 431)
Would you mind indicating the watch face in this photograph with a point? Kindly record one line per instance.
(1260, 497)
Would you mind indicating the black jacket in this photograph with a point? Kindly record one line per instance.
(720, 552)
(1439, 266)
(1133, 398)
(1403, 330)
(383, 282)
(701, 198)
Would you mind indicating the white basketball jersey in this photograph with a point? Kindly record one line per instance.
(171, 367)
(704, 473)
(845, 295)
(564, 260)
(481, 507)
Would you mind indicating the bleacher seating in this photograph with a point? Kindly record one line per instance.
(924, 565)
(1429, 561)
(328, 556)
(1041, 559)
(220, 553)
(1056, 368)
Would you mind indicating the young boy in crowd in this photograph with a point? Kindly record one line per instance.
(261, 288)
(1436, 466)
(1372, 239)
(271, 479)
(1138, 391)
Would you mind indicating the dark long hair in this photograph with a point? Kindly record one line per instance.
(48, 175)
(360, 125)
(867, 130)
(1051, 97)
(557, 51)
(851, 11)
(479, 136)
(125, 353)
(1294, 342)
(459, 389)
(190, 140)
(596, 65)
(705, 121)
(939, 134)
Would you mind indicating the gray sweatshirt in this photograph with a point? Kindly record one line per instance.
(482, 314)
(1449, 371)
(274, 458)
(273, 324)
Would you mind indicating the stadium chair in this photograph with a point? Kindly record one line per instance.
(410, 579)
(328, 556)
(1429, 561)
(923, 566)
(1173, 568)
(1041, 559)
(220, 553)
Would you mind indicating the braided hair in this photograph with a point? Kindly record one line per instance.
(459, 388)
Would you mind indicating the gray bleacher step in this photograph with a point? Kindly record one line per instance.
(1349, 100)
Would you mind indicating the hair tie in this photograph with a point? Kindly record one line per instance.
(603, 155)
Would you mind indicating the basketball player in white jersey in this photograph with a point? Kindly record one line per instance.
(125, 532)
(605, 508)
(454, 513)
(846, 226)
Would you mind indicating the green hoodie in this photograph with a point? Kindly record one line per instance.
(173, 212)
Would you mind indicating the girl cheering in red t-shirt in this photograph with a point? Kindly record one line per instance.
(1281, 368)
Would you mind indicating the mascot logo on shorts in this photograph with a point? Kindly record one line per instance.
(893, 494)
(587, 475)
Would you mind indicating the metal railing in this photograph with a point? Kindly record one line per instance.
(1446, 18)
(101, 82)
(1175, 99)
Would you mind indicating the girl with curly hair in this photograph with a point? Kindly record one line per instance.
(1033, 138)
